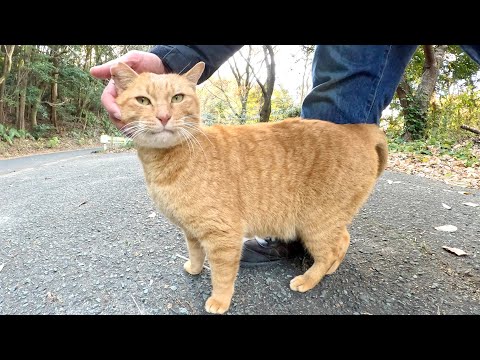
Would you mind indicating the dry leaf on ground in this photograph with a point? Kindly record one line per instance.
(456, 251)
(447, 228)
(439, 167)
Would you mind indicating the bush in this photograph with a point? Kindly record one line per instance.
(53, 142)
(461, 152)
(42, 131)
(9, 134)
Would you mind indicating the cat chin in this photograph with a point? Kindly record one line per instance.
(162, 140)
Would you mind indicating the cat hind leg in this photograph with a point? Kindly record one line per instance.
(328, 249)
(344, 243)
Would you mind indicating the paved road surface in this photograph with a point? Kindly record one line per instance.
(26, 162)
(76, 238)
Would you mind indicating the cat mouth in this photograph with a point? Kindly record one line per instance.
(154, 132)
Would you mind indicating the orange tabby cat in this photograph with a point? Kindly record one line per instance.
(292, 179)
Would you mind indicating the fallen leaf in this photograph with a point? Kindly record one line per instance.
(448, 228)
(52, 297)
(446, 206)
(471, 204)
(1, 266)
(152, 215)
(456, 251)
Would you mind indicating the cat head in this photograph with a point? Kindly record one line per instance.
(159, 111)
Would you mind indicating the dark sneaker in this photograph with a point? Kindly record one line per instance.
(258, 251)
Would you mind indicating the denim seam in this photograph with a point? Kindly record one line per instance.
(378, 82)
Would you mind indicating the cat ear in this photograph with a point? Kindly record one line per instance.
(122, 75)
(195, 72)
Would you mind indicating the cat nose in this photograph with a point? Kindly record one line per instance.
(164, 117)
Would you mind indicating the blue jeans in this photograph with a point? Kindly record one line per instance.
(355, 83)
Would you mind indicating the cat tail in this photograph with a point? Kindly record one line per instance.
(382, 152)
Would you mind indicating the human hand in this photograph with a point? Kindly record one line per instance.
(140, 61)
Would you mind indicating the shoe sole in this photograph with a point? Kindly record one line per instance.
(257, 264)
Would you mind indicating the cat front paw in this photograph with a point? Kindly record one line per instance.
(192, 270)
(302, 283)
(216, 305)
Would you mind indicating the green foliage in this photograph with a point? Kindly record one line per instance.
(128, 145)
(42, 131)
(24, 134)
(9, 134)
(464, 153)
(457, 68)
(452, 111)
(42, 69)
(435, 147)
(53, 142)
(414, 119)
(400, 145)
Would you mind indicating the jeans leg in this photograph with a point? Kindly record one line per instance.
(473, 51)
(355, 83)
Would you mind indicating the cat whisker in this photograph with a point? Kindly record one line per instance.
(187, 140)
(130, 124)
(193, 139)
(134, 129)
(196, 127)
(131, 127)
(138, 131)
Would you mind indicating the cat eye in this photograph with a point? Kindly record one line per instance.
(177, 98)
(143, 100)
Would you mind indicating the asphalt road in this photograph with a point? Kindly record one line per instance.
(27, 162)
(76, 238)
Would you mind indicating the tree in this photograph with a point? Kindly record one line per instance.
(307, 52)
(415, 103)
(41, 69)
(243, 78)
(267, 86)
(22, 83)
(7, 67)
(438, 70)
(55, 53)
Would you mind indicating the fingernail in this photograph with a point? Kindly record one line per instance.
(117, 115)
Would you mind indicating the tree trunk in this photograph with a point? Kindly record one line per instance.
(267, 89)
(7, 66)
(415, 108)
(244, 84)
(23, 73)
(34, 110)
(54, 90)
